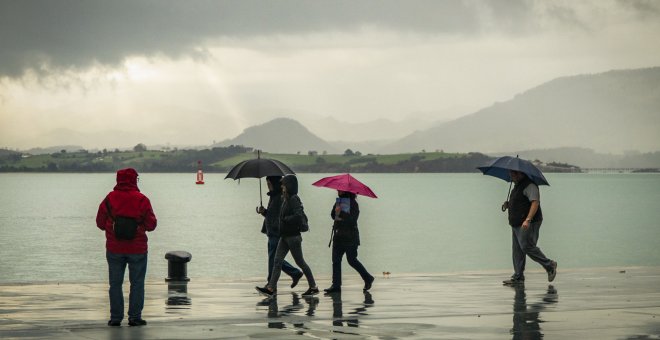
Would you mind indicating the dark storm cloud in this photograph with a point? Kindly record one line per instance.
(75, 34)
(53, 35)
(643, 8)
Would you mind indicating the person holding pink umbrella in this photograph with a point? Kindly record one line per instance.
(345, 234)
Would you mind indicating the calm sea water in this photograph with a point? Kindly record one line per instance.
(420, 223)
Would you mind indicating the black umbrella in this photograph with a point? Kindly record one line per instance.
(258, 168)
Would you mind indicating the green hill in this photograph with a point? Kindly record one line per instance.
(222, 159)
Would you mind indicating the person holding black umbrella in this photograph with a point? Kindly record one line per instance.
(292, 220)
(525, 218)
(271, 227)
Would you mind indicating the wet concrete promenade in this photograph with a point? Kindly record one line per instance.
(604, 303)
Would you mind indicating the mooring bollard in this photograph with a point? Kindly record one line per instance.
(176, 265)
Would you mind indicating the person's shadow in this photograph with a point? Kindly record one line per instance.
(526, 318)
(338, 313)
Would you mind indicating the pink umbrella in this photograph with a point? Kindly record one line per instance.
(345, 182)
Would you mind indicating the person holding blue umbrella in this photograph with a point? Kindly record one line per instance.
(525, 214)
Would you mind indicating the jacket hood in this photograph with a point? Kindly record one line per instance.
(290, 182)
(127, 180)
(276, 183)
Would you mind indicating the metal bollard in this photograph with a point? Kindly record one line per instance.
(176, 265)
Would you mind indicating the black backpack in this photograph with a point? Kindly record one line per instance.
(304, 227)
(123, 227)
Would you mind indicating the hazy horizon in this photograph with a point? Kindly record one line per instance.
(114, 74)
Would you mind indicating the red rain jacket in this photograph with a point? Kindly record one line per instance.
(127, 200)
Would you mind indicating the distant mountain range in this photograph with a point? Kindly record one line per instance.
(610, 119)
(382, 130)
(272, 137)
(614, 111)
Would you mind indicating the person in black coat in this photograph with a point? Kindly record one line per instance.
(271, 227)
(292, 218)
(346, 239)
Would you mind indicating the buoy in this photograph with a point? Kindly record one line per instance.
(200, 174)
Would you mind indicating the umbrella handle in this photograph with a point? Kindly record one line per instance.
(332, 236)
(505, 205)
(261, 203)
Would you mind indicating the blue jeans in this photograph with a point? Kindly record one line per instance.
(338, 251)
(137, 270)
(523, 244)
(286, 266)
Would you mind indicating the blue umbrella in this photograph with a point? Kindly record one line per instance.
(500, 168)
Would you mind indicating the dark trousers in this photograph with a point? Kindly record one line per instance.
(137, 270)
(523, 244)
(338, 251)
(286, 266)
(293, 244)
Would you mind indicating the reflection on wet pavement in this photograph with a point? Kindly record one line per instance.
(601, 303)
(177, 295)
(526, 318)
(291, 309)
(338, 313)
(308, 308)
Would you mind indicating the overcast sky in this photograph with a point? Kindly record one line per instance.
(114, 73)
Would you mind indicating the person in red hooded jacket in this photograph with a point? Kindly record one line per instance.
(126, 200)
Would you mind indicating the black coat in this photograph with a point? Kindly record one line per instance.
(291, 216)
(346, 230)
(292, 212)
(271, 225)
